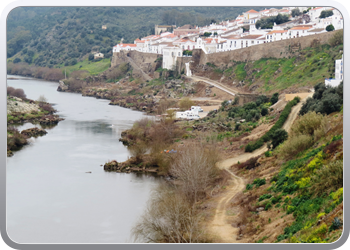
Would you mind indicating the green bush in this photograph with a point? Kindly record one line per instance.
(249, 186)
(264, 197)
(259, 182)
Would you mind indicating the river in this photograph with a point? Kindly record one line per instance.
(50, 197)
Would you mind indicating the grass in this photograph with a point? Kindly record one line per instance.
(94, 68)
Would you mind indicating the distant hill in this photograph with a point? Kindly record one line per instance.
(54, 36)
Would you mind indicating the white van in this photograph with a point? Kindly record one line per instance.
(187, 115)
(196, 109)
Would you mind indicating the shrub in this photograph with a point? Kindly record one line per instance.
(279, 136)
(337, 39)
(17, 60)
(330, 28)
(16, 92)
(295, 144)
(274, 98)
(308, 124)
(268, 205)
(259, 182)
(264, 111)
(186, 103)
(329, 176)
(336, 224)
(249, 186)
(249, 164)
(265, 196)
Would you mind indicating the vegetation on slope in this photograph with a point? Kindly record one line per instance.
(303, 189)
(266, 75)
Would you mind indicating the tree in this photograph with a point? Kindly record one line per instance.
(17, 60)
(42, 98)
(207, 34)
(330, 27)
(326, 13)
(91, 57)
(296, 12)
(264, 111)
(168, 218)
(186, 103)
(274, 98)
(195, 168)
(279, 136)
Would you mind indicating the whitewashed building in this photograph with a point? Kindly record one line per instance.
(124, 46)
(338, 74)
(170, 55)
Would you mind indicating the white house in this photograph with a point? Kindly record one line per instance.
(98, 55)
(250, 40)
(170, 55)
(124, 46)
(314, 13)
(276, 35)
(338, 74)
(300, 30)
(185, 43)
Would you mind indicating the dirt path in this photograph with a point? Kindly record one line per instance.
(219, 225)
(216, 84)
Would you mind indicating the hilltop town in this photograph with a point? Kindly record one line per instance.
(235, 34)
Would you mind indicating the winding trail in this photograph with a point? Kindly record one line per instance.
(219, 225)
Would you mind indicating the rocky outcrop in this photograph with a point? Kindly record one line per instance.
(62, 87)
(127, 167)
(177, 88)
(50, 120)
(33, 132)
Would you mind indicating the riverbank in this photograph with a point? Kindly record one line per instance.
(24, 110)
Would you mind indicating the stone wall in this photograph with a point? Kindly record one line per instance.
(278, 49)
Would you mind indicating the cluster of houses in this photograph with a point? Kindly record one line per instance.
(230, 35)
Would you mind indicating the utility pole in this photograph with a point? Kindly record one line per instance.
(65, 74)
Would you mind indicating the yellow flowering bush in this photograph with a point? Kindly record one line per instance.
(303, 182)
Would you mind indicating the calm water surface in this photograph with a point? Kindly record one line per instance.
(50, 197)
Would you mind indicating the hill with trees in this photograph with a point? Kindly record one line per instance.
(57, 36)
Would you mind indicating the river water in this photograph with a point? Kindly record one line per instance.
(50, 197)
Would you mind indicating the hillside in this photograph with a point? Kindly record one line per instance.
(57, 36)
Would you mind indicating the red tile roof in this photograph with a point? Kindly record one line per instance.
(127, 44)
(252, 11)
